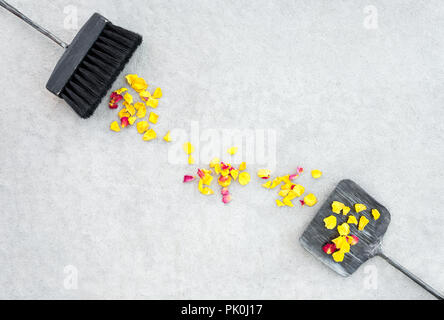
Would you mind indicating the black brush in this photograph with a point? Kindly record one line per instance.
(90, 64)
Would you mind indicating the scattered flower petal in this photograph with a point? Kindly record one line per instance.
(338, 256)
(214, 162)
(141, 112)
(352, 240)
(121, 90)
(224, 191)
(188, 178)
(153, 117)
(337, 206)
(344, 229)
(157, 93)
(298, 190)
(352, 220)
(363, 221)
(232, 150)
(280, 203)
(264, 173)
(153, 103)
(316, 174)
(330, 222)
(226, 198)
(329, 248)
(167, 137)
(128, 98)
(142, 126)
(242, 166)
(310, 200)
(131, 120)
(360, 207)
(375, 214)
(150, 135)
(244, 178)
(188, 148)
(115, 126)
(124, 122)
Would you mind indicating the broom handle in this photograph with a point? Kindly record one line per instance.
(13, 10)
(412, 276)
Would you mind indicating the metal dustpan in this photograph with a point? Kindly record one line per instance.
(370, 239)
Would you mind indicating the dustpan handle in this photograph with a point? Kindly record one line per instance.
(412, 276)
(13, 10)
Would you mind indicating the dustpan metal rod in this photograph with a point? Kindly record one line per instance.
(51, 36)
(412, 276)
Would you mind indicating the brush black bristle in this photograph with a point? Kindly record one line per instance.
(99, 69)
(91, 63)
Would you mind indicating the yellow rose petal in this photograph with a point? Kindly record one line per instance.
(167, 137)
(139, 105)
(131, 120)
(131, 110)
(153, 117)
(360, 207)
(224, 181)
(121, 90)
(144, 95)
(268, 185)
(191, 159)
(339, 241)
(242, 166)
(344, 229)
(234, 173)
(128, 98)
(363, 221)
(338, 256)
(263, 173)
(123, 113)
(352, 220)
(141, 113)
(310, 200)
(337, 206)
(280, 203)
(287, 201)
(150, 135)
(298, 190)
(330, 222)
(244, 178)
(207, 191)
(375, 214)
(142, 126)
(157, 93)
(214, 162)
(153, 103)
(115, 126)
(139, 84)
(188, 148)
(232, 150)
(130, 78)
(345, 210)
(316, 174)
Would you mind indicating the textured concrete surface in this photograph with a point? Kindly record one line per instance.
(78, 201)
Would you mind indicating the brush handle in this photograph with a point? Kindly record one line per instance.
(412, 276)
(13, 10)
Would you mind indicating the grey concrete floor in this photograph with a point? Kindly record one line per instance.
(87, 213)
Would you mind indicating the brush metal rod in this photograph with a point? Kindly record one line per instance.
(51, 36)
(395, 264)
